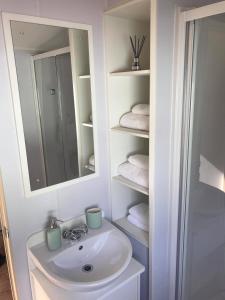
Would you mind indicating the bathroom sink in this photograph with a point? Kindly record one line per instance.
(89, 264)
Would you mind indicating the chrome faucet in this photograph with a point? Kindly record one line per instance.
(76, 233)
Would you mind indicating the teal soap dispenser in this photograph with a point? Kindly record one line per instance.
(53, 235)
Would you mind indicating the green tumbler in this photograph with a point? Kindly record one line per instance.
(94, 218)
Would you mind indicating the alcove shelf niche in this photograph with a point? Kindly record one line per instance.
(125, 88)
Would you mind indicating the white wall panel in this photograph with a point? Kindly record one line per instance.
(29, 215)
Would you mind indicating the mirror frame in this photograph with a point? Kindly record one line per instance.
(6, 19)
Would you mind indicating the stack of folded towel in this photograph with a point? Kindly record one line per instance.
(139, 216)
(136, 169)
(92, 160)
(138, 118)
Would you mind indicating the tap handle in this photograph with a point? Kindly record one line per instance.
(66, 234)
(53, 222)
(84, 227)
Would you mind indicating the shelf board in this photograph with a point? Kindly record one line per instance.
(135, 132)
(135, 232)
(84, 76)
(87, 124)
(131, 73)
(131, 184)
(135, 9)
(90, 168)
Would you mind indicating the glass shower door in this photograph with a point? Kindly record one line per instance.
(50, 119)
(57, 118)
(202, 256)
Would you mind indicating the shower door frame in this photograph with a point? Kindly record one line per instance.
(182, 121)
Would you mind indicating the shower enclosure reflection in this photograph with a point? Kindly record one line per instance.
(54, 83)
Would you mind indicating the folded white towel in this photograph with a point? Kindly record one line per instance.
(135, 121)
(92, 160)
(135, 222)
(139, 160)
(141, 109)
(140, 212)
(135, 174)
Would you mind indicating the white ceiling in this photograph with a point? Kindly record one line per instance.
(38, 38)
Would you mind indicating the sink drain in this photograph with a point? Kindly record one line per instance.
(87, 268)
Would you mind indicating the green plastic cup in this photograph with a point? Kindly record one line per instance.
(94, 218)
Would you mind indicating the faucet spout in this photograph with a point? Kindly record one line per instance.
(76, 233)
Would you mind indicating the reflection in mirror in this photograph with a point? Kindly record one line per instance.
(54, 84)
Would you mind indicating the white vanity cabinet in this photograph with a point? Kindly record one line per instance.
(47, 274)
(126, 286)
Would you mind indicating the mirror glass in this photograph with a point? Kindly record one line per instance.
(54, 81)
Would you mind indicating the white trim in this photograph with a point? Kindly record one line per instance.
(187, 140)
(204, 11)
(93, 98)
(44, 21)
(52, 53)
(37, 112)
(152, 126)
(75, 95)
(177, 108)
(6, 18)
(107, 95)
(7, 242)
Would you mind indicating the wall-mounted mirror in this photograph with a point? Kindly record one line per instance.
(54, 89)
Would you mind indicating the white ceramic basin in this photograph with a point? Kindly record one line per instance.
(88, 264)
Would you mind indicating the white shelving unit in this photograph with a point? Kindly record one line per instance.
(126, 88)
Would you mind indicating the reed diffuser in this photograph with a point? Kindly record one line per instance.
(137, 45)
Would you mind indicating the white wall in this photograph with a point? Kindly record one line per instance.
(29, 215)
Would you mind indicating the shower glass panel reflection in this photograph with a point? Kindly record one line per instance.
(57, 119)
(202, 256)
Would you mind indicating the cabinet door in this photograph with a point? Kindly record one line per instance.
(130, 290)
(38, 291)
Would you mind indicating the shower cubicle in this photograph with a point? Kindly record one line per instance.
(47, 106)
(57, 119)
(201, 265)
